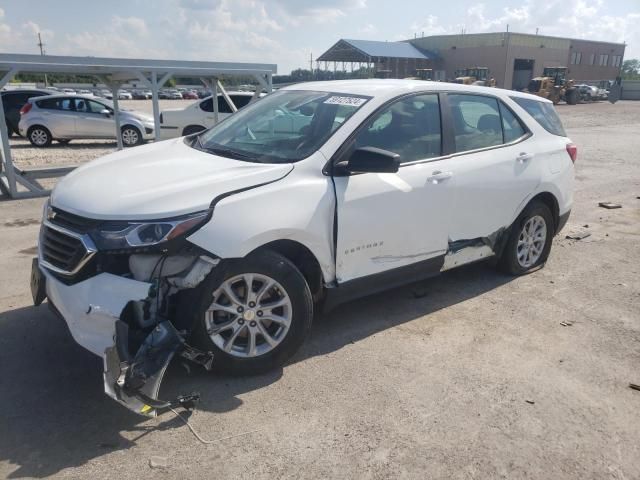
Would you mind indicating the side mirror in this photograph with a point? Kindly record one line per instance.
(373, 160)
(106, 112)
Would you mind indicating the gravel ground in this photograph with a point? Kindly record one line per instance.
(469, 375)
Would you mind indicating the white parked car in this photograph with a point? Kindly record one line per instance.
(67, 117)
(221, 246)
(124, 95)
(198, 116)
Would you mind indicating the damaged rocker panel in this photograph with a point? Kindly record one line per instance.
(465, 251)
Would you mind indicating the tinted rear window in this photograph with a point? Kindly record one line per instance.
(543, 113)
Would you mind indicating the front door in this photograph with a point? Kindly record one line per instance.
(386, 221)
(91, 122)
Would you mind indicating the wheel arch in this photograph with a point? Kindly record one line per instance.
(550, 200)
(304, 260)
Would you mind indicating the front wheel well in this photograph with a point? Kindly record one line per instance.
(550, 201)
(303, 259)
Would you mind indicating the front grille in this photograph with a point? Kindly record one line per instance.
(61, 250)
(73, 222)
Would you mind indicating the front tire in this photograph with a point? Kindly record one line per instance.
(39, 136)
(529, 242)
(131, 136)
(254, 314)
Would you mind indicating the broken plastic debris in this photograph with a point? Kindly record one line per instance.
(578, 235)
(633, 386)
(530, 402)
(158, 462)
(609, 205)
(566, 324)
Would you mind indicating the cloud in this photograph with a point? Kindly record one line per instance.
(367, 29)
(120, 37)
(22, 39)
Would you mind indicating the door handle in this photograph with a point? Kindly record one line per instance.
(524, 157)
(438, 176)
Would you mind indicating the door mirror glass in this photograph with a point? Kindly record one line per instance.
(106, 112)
(373, 160)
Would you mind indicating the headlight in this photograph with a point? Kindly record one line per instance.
(127, 235)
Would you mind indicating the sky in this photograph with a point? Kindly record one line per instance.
(287, 32)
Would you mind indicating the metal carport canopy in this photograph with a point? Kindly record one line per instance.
(113, 72)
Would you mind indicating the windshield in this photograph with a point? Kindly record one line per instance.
(283, 127)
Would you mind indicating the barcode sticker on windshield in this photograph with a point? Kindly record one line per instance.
(351, 101)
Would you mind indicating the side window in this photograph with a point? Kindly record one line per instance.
(223, 106)
(66, 104)
(476, 121)
(207, 105)
(81, 105)
(240, 100)
(48, 104)
(511, 125)
(543, 113)
(95, 107)
(409, 127)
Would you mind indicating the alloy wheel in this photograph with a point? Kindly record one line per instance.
(129, 136)
(250, 315)
(39, 137)
(531, 241)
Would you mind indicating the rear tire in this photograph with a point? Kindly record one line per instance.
(39, 136)
(131, 136)
(529, 242)
(236, 329)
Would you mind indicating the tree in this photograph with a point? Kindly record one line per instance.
(631, 69)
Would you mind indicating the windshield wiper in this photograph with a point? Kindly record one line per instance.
(229, 153)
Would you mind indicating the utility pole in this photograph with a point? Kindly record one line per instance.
(41, 45)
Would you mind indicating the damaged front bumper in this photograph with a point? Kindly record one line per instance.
(135, 359)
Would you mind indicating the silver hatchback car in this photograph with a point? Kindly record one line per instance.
(67, 117)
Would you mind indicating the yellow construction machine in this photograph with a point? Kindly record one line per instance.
(553, 85)
(475, 76)
(422, 74)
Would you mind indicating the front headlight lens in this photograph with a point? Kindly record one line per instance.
(126, 235)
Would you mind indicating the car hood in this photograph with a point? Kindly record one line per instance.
(158, 180)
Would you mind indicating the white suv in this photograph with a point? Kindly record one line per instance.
(176, 122)
(220, 247)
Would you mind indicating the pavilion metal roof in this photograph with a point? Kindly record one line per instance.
(347, 50)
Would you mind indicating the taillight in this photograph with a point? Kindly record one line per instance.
(25, 108)
(572, 150)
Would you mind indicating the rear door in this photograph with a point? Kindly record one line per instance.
(59, 116)
(494, 165)
(386, 221)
